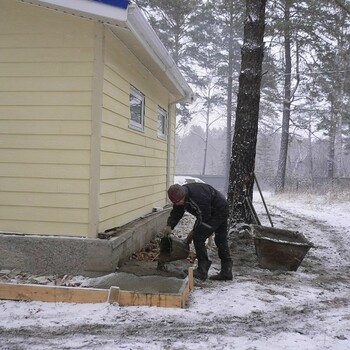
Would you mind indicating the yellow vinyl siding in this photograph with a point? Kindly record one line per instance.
(41, 156)
(54, 228)
(47, 98)
(68, 166)
(46, 68)
(71, 113)
(50, 69)
(112, 172)
(45, 84)
(44, 127)
(45, 171)
(32, 185)
(115, 185)
(22, 199)
(133, 163)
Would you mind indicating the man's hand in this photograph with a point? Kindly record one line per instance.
(166, 231)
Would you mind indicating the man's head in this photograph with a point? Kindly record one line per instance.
(176, 194)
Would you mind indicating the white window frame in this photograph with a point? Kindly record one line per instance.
(162, 115)
(138, 95)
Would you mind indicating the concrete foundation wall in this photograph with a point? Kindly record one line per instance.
(70, 255)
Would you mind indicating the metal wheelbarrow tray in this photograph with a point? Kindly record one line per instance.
(279, 249)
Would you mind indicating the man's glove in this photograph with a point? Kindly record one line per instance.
(166, 231)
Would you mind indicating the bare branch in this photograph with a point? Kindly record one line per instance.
(345, 8)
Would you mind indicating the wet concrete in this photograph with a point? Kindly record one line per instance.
(176, 269)
(143, 277)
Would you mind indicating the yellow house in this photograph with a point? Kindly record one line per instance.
(87, 124)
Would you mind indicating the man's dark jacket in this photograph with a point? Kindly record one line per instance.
(203, 201)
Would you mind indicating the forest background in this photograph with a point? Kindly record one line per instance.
(304, 117)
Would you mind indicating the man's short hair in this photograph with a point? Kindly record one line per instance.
(176, 193)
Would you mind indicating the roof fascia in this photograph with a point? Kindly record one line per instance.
(140, 27)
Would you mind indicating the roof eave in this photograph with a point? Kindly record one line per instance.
(140, 27)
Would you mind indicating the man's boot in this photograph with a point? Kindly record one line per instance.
(201, 272)
(226, 272)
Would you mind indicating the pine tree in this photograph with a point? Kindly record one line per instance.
(247, 114)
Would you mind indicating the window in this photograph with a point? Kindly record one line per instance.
(137, 107)
(162, 123)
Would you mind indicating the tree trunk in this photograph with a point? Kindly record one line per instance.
(247, 114)
(331, 148)
(311, 163)
(282, 161)
(229, 99)
(206, 138)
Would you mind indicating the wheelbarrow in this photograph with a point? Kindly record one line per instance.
(277, 249)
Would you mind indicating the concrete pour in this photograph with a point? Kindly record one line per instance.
(103, 261)
(143, 277)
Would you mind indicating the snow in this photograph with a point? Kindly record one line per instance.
(259, 309)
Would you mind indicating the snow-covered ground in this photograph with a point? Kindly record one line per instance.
(259, 309)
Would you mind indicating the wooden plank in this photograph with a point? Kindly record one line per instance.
(141, 299)
(190, 277)
(113, 295)
(32, 292)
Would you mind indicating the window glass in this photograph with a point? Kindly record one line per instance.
(162, 122)
(137, 106)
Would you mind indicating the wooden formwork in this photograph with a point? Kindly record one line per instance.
(34, 292)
